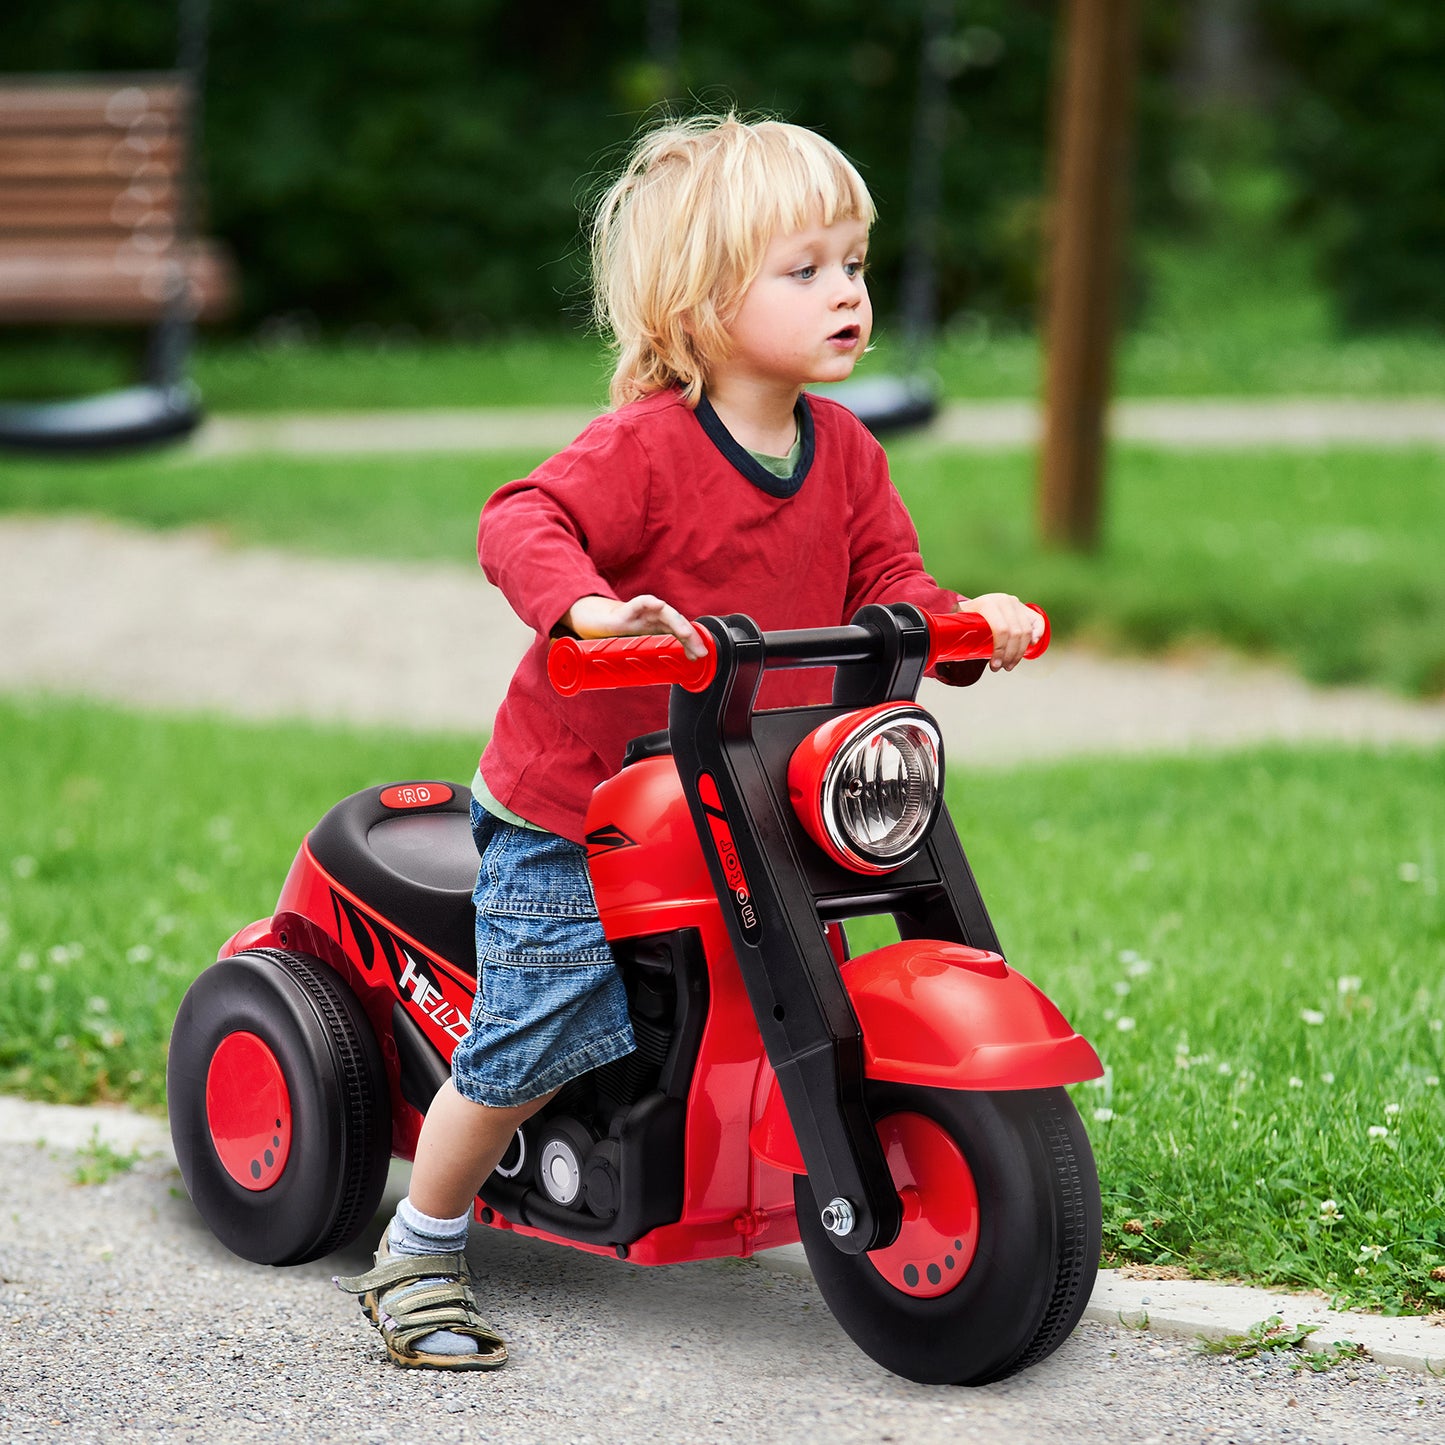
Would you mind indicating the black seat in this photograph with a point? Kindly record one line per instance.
(406, 851)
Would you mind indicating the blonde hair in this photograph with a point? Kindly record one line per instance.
(680, 236)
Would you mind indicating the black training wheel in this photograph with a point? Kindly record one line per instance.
(279, 1107)
(1000, 1240)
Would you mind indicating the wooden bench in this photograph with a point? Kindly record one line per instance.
(96, 219)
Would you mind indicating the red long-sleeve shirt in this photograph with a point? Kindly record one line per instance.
(657, 498)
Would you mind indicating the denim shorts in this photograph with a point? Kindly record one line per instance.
(550, 1003)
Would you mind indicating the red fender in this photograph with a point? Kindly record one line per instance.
(947, 1017)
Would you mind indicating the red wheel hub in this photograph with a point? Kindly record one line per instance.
(248, 1109)
(939, 1236)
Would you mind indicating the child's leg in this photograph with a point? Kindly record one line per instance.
(550, 1005)
(460, 1144)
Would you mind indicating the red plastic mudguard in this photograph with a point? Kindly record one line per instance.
(947, 1017)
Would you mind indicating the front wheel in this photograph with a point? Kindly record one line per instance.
(1000, 1240)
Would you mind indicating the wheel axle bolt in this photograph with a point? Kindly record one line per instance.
(838, 1217)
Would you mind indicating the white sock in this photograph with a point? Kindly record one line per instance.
(412, 1232)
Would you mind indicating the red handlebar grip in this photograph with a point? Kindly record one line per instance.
(574, 665)
(966, 636)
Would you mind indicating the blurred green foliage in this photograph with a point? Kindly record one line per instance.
(423, 165)
(1361, 125)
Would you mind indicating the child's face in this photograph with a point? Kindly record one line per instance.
(806, 317)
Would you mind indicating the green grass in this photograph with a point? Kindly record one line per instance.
(387, 507)
(238, 375)
(130, 850)
(973, 362)
(1333, 560)
(1255, 942)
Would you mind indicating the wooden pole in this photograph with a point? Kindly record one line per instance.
(1091, 162)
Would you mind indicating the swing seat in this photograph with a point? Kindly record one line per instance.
(887, 404)
(135, 416)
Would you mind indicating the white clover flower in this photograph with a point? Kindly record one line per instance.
(1295, 1082)
(1121, 988)
(97, 1005)
(1327, 1077)
(1436, 1025)
(1378, 1131)
(64, 1041)
(24, 866)
(1225, 1067)
(139, 953)
(1349, 983)
(1372, 1252)
(1312, 1016)
(1103, 1116)
(1330, 1212)
(1409, 872)
(1125, 1025)
(45, 983)
(1391, 1110)
(1139, 967)
(26, 960)
(1432, 1081)
(1127, 955)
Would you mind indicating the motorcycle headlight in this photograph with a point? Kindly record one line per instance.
(867, 785)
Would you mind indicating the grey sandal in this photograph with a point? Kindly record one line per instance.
(408, 1297)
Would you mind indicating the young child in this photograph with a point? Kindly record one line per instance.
(728, 266)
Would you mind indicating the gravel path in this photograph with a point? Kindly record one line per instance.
(1188, 424)
(177, 621)
(601, 1352)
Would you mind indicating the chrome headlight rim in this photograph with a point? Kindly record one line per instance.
(859, 854)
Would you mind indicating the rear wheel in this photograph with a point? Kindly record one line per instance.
(279, 1107)
(1000, 1240)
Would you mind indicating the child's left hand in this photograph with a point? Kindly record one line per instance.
(1015, 627)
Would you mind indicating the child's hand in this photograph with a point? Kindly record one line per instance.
(1015, 627)
(641, 617)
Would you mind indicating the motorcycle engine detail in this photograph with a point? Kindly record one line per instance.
(566, 1144)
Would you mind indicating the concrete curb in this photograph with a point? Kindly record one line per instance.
(1190, 1309)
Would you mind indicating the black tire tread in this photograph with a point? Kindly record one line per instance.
(1071, 1285)
(356, 1206)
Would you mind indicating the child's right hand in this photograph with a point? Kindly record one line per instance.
(642, 616)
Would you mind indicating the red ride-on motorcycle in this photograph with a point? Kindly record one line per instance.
(902, 1111)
